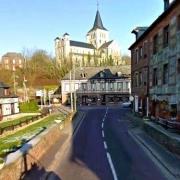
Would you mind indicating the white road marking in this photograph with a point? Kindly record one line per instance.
(112, 166)
(102, 133)
(105, 145)
(102, 125)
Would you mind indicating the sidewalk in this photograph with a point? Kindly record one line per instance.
(165, 159)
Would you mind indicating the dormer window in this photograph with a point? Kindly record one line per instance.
(101, 74)
(83, 75)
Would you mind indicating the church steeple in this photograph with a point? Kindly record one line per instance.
(98, 24)
(98, 35)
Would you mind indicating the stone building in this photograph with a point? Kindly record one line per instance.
(12, 61)
(98, 85)
(160, 45)
(98, 49)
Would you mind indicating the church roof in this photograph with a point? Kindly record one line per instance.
(81, 44)
(106, 44)
(98, 23)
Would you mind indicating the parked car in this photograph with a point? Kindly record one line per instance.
(126, 104)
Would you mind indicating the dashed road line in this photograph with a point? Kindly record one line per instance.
(112, 166)
(105, 145)
(102, 125)
(102, 133)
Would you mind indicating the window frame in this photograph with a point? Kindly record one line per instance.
(165, 73)
(166, 36)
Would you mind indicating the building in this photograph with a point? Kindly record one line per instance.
(160, 44)
(9, 103)
(98, 85)
(12, 61)
(98, 49)
(139, 72)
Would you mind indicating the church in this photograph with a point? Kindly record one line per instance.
(98, 50)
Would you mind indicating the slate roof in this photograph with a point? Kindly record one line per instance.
(98, 23)
(81, 44)
(12, 54)
(3, 85)
(105, 45)
(110, 72)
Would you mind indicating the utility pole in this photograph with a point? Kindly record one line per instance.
(71, 95)
(26, 98)
(14, 81)
(74, 71)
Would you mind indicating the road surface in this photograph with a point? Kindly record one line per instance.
(102, 149)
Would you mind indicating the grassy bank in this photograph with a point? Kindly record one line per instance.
(14, 141)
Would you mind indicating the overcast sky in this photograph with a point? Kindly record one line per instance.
(34, 24)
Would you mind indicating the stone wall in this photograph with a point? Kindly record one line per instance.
(22, 160)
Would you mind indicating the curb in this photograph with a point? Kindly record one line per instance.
(153, 155)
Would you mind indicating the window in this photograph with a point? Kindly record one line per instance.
(166, 36)
(140, 52)
(178, 23)
(127, 85)
(120, 85)
(93, 86)
(155, 77)
(145, 49)
(137, 80)
(84, 86)
(155, 44)
(165, 74)
(14, 61)
(102, 85)
(67, 87)
(136, 56)
(178, 66)
(140, 78)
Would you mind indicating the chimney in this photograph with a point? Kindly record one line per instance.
(166, 4)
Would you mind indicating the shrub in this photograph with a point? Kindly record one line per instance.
(29, 107)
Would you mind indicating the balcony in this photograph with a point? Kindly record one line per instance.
(108, 91)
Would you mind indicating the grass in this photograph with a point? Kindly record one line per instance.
(15, 121)
(14, 141)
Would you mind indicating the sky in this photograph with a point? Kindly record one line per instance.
(34, 24)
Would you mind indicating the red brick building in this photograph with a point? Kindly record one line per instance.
(12, 61)
(156, 63)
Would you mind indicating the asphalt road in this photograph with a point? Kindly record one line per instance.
(102, 149)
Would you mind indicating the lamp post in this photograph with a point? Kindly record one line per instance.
(71, 95)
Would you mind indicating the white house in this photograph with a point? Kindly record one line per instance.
(9, 103)
(98, 85)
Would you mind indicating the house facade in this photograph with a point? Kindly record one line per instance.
(12, 61)
(97, 50)
(98, 85)
(9, 103)
(161, 40)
